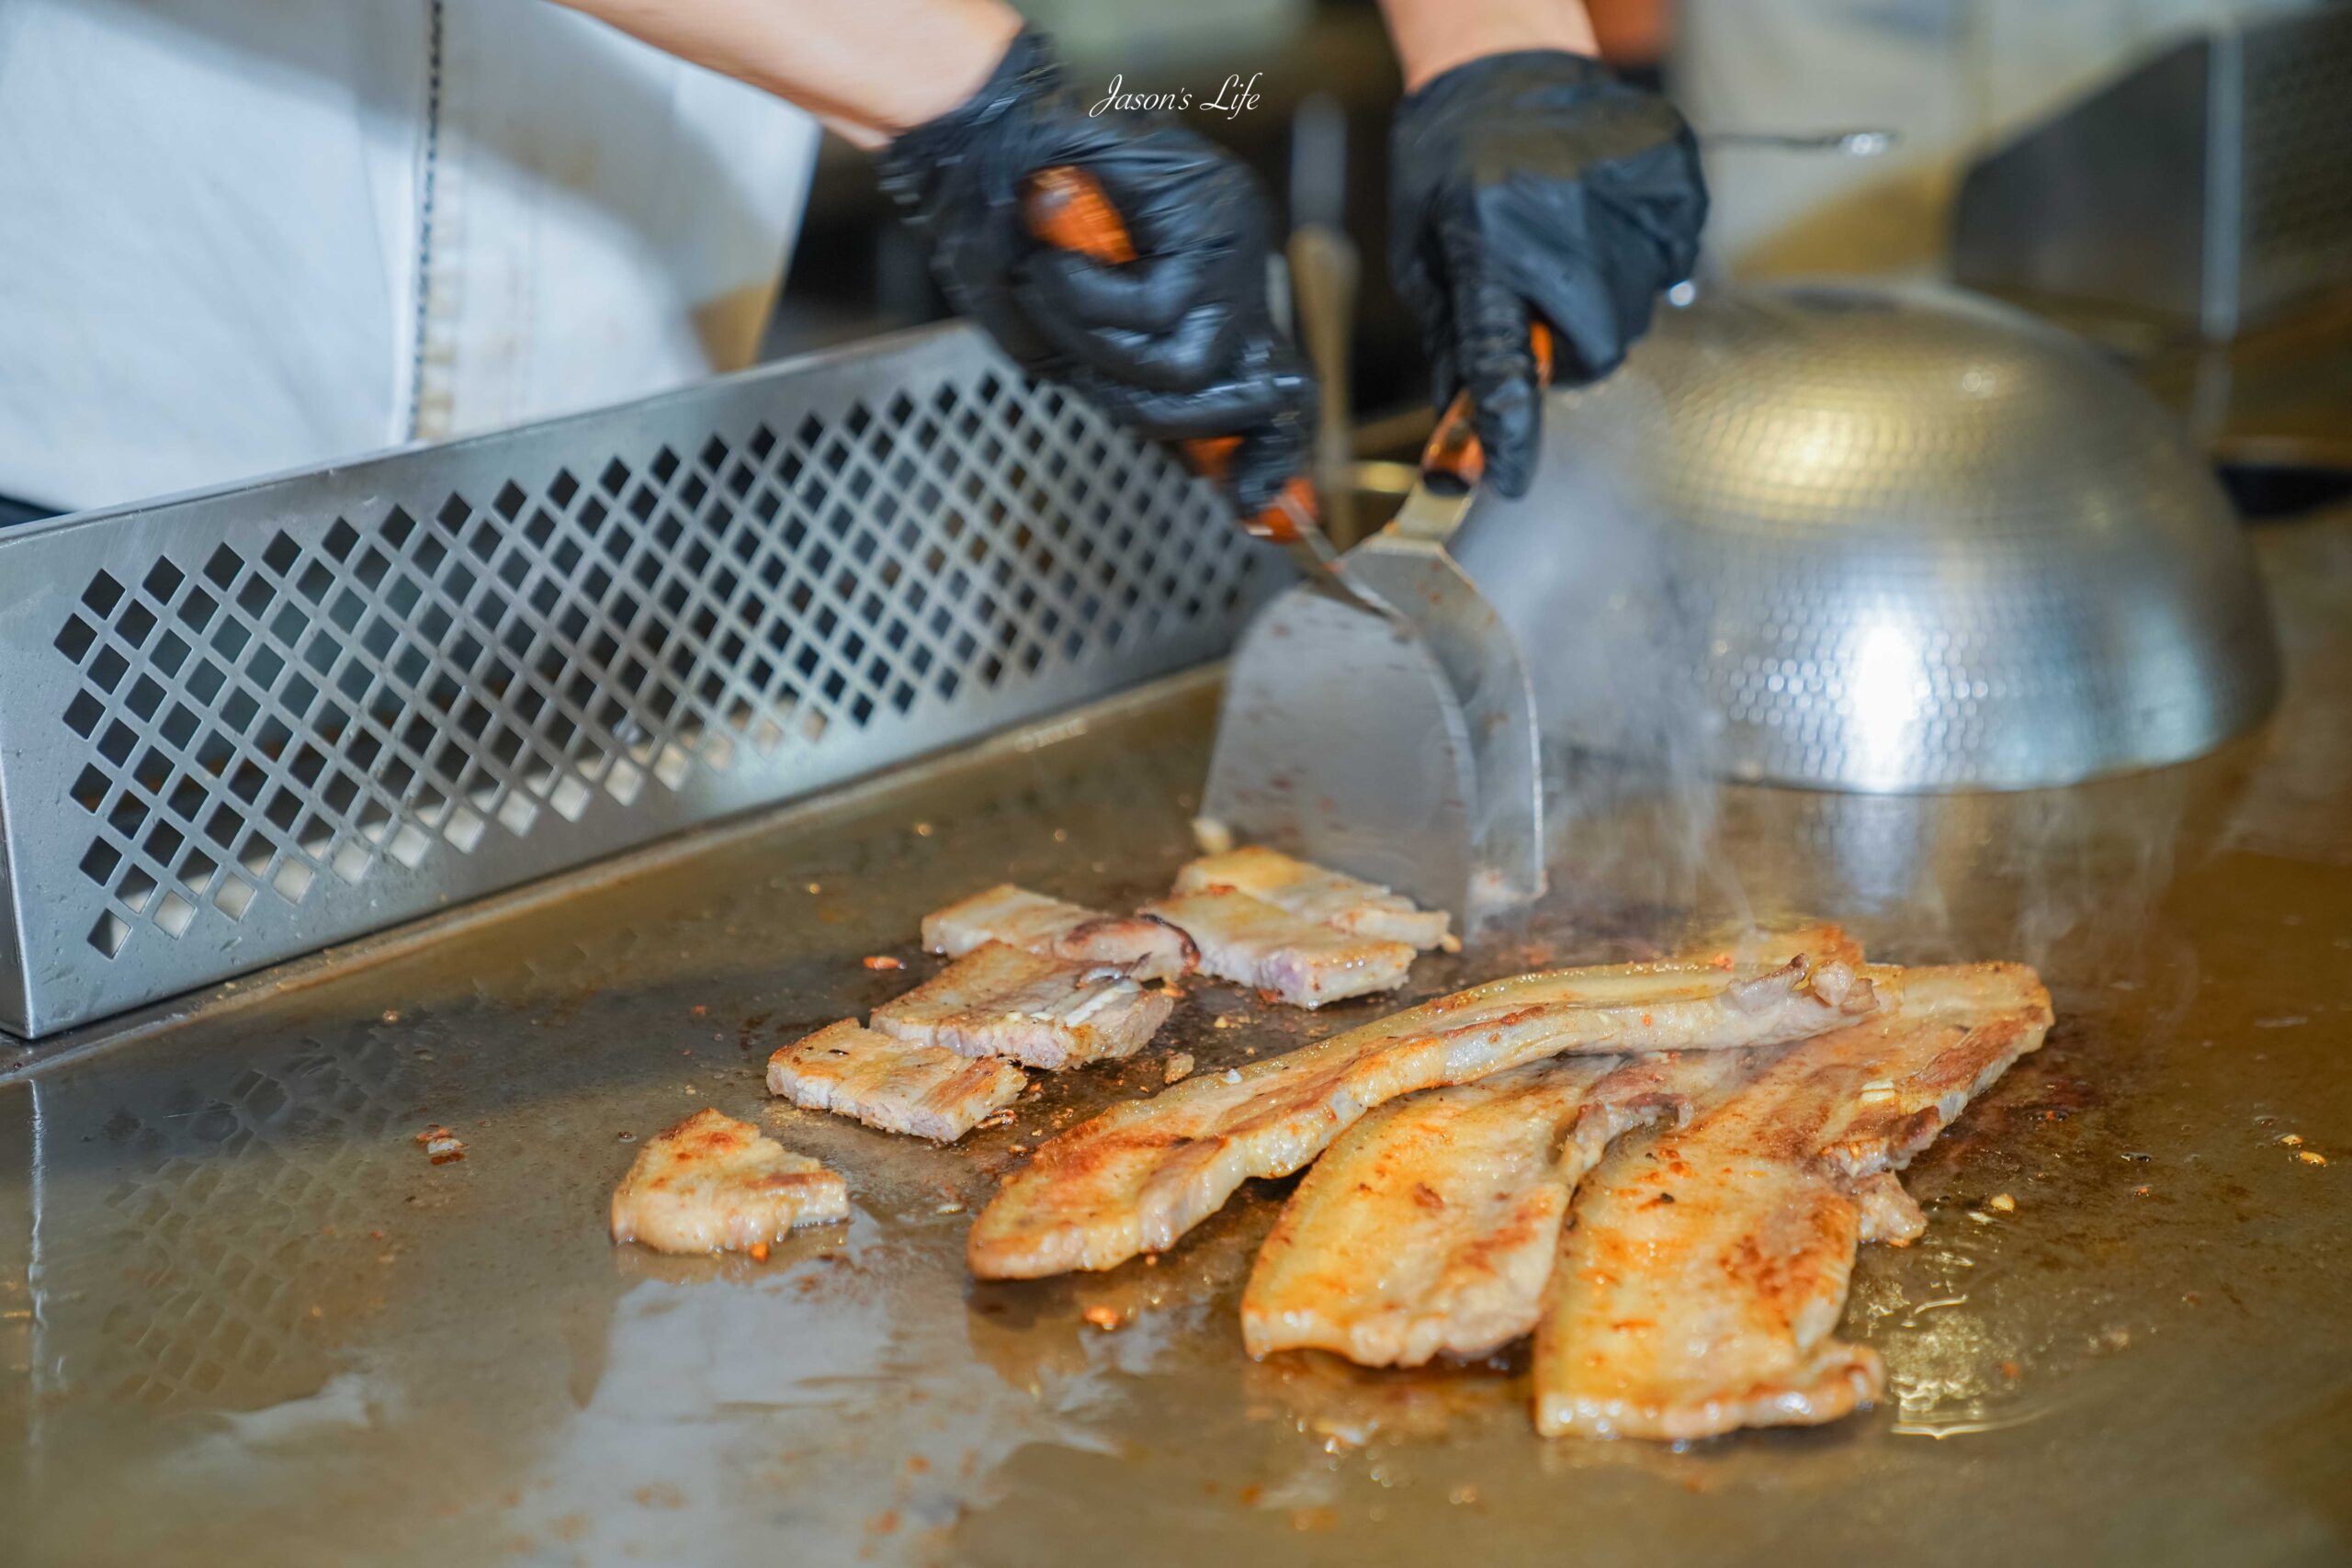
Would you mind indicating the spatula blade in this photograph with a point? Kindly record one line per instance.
(1342, 741)
(1475, 649)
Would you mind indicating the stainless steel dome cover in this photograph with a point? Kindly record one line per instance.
(1877, 538)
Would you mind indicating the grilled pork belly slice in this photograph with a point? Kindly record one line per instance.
(714, 1184)
(1432, 1226)
(1146, 948)
(1327, 897)
(1706, 1268)
(1254, 943)
(1000, 1001)
(924, 1091)
(1003, 913)
(1143, 1173)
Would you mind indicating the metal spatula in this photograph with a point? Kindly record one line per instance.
(1378, 719)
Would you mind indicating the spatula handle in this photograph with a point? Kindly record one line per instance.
(1069, 210)
(1453, 454)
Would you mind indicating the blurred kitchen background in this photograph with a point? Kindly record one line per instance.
(2171, 178)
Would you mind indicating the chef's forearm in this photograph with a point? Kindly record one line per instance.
(1434, 36)
(868, 68)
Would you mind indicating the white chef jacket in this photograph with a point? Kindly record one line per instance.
(238, 236)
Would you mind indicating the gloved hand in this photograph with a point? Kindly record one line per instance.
(1176, 344)
(1535, 185)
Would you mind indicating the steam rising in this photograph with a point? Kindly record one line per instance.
(1650, 834)
(1613, 631)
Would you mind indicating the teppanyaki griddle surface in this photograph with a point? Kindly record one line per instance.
(245, 1318)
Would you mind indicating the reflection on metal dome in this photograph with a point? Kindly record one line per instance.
(1879, 539)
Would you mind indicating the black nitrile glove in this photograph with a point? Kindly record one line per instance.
(1535, 186)
(1176, 344)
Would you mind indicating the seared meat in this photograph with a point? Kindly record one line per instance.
(1705, 1267)
(1141, 1174)
(1000, 1001)
(1889, 1214)
(713, 1184)
(1003, 913)
(1327, 897)
(1301, 962)
(1433, 1224)
(1146, 947)
(923, 1090)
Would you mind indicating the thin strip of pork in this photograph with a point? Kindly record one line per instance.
(1706, 1268)
(1327, 897)
(1432, 1226)
(1146, 948)
(712, 1183)
(1000, 1001)
(924, 1091)
(1302, 962)
(1143, 1173)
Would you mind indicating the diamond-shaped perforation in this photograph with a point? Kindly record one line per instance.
(263, 722)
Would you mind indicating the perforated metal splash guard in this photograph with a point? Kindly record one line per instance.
(240, 725)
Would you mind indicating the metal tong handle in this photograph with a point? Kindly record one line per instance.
(1865, 143)
(1454, 460)
(1069, 210)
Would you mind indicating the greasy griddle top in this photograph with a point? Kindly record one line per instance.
(244, 1317)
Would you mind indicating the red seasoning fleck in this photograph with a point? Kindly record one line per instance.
(759, 1252)
(1102, 1317)
(884, 960)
